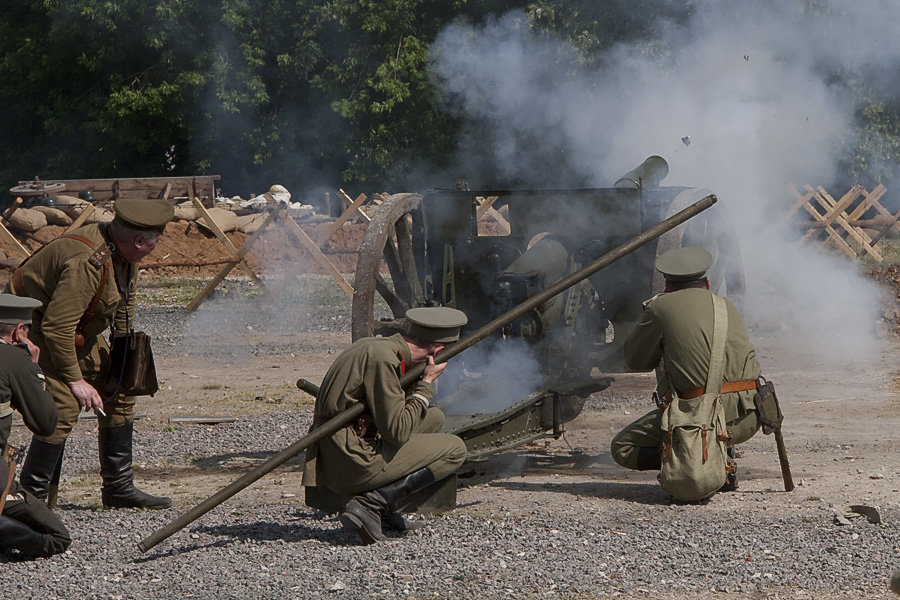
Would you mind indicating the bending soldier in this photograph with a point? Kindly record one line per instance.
(26, 524)
(676, 328)
(85, 281)
(395, 448)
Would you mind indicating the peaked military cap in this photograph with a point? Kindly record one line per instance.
(684, 264)
(149, 215)
(435, 323)
(16, 309)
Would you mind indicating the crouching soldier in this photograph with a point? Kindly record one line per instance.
(26, 524)
(705, 395)
(395, 448)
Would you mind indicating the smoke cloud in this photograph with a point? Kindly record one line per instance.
(751, 87)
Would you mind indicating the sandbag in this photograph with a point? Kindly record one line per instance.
(55, 216)
(186, 211)
(27, 219)
(225, 219)
(250, 223)
(101, 215)
(70, 205)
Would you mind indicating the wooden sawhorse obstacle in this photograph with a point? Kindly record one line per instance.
(300, 238)
(837, 222)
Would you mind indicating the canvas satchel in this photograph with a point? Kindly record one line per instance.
(694, 447)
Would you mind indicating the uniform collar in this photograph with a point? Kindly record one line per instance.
(402, 348)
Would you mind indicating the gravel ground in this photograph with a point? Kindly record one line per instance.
(522, 529)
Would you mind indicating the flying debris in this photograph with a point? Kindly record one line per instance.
(686, 140)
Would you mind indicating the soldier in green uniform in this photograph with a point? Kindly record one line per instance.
(86, 281)
(395, 448)
(676, 328)
(26, 525)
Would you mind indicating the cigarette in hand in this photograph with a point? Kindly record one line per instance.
(100, 412)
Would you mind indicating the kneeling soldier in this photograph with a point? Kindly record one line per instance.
(395, 448)
(26, 524)
(676, 328)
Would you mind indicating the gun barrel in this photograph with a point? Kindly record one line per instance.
(414, 373)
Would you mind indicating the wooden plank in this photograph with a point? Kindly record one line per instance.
(310, 246)
(239, 258)
(164, 193)
(11, 239)
(484, 205)
(358, 209)
(131, 183)
(503, 223)
(832, 234)
(326, 233)
(79, 221)
(836, 215)
(884, 231)
(211, 224)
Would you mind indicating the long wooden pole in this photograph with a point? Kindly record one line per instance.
(413, 374)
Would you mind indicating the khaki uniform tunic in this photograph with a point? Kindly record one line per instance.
(677, 328)
(408, 438)
(22, 388)
(62, 278)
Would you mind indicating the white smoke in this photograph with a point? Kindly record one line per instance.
(747, 83)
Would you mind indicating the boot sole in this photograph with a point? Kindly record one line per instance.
(352, 523)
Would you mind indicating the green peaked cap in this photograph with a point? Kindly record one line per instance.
(684, 264)
(435, 323)
(16, 309)
(150, 215)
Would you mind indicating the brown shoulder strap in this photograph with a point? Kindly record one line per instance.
(99, 259)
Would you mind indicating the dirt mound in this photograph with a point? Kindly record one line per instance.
(187, 249)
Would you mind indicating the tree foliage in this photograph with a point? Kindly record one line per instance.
(298, 92)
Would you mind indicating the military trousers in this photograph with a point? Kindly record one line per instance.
(92, 357)
(443, 453)
(21, 506)
(646, 432)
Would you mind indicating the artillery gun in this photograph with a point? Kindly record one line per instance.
(433, 249)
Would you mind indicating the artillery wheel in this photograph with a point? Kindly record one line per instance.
(712, 231)
(395, 237)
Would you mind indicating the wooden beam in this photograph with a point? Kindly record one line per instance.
(9, 237)
(326, 234)
(310, 246)
(79, 221)
(239, 258)
(358, 209)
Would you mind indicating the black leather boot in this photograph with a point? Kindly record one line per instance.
(53, 490)
(364, 513)
(15, 535)
(43, 461)
(648, 458)
(115, 444)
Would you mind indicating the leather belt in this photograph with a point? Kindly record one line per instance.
(727, 387)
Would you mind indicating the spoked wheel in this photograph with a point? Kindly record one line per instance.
(709, 230)
(396, 238)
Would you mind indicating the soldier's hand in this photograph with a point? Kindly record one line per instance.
(87, 396)
(432, 371)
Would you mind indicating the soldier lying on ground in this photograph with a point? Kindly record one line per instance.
(394, 449)
(26, 524)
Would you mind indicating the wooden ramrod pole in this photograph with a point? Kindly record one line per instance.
(414, 373)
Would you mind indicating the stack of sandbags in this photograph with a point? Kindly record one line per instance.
(250, 223)
(225, 219)
(186, 211)
(70, 205)
(55, 216)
